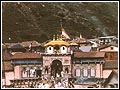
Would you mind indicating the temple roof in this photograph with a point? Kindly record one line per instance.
(79, 40)
(7, 66)
(106, 45)
(27, 43)
(6, 55)
(26, 55)
(89, 54)
(111, 64)
(57, 42)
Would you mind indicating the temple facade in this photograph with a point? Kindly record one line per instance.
(61, 60)
(57, 58)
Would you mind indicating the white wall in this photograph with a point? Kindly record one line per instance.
(63, 50)
(48, 49)
(109, 49)
(68, 50)
(17, 71)
(9, 76)
(106, 73)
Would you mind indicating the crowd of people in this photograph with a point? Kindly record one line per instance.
(52, 82)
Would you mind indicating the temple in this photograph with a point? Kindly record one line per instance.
(27, 64)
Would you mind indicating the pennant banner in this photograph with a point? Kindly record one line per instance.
(65, 34)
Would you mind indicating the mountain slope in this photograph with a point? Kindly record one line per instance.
(41, 20)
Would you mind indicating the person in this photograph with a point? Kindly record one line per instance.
(59, 84)
(62, 73)
(46, 85)
(38, 72)
(32, 72)
(28, 73)
(31, 86)
(46, 69)
(57, 74)
(41, 71)
(66, 70)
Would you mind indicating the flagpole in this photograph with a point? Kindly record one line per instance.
(61, 23)
(61, 26)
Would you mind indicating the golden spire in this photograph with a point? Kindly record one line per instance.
(57, 37)
(53, 37)
(61, 23)
(80, 35)
(60, 37)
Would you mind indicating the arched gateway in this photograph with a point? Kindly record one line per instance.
(56, 68)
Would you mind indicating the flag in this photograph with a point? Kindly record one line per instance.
(30, 46)
(80, 35)
(65, 34)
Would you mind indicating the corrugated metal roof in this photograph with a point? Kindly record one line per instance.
(111, 64)
(26, 55)
(6, 55)
(85, 48)
(89, 54)
(27, 43)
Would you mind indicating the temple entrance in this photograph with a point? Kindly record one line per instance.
(56, 68)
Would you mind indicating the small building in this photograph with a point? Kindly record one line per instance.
(108, 66)
(33, 46)
(110, 74)
(16, 48)
(111, 51)
(112, 80)
(81, 41)
(26, 65)
(94, 42)
(107, 40)
(74, 46)
(87, 68)
(7, 68)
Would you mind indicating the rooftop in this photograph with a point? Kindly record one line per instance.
(79, 40)
(111, 64)
(6, 55)
(7, 66)
(27, 55)
(107, 45)
(110, 77)
(57, 42)
(28, 43)
(89, 54)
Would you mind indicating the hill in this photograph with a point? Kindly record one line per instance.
(23, 21)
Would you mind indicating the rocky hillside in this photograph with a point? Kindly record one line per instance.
(39, 21)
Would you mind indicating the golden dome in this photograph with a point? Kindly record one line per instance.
(73, 43)
(57, 42)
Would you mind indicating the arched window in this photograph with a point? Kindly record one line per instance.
(24, 72)
(92, 72)
(32, 72)
(66, 70)
(85, 72)
(49, 48)
(78, 72)
(63, 48)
